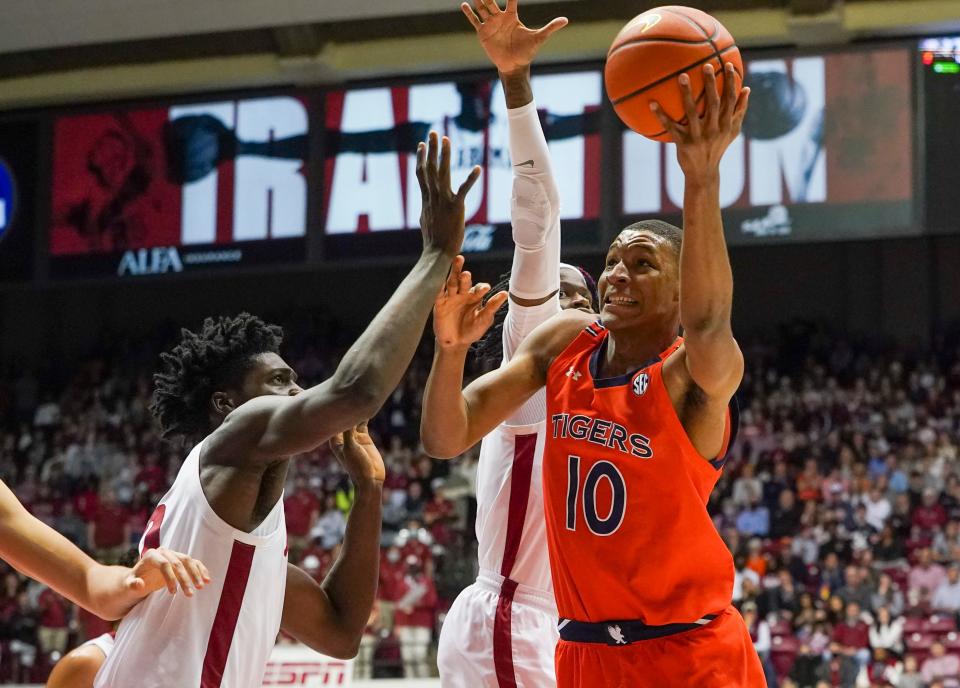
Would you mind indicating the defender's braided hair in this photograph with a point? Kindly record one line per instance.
(203, 363)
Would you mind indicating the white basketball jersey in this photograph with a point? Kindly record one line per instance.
(221, 637)
(511, 529)
(104, 643)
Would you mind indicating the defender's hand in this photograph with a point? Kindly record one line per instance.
(459, 316)
(703, 140)
(358, 455)
(162, 568)
(509, 44)
(441, 216)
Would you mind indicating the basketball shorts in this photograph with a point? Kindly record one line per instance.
(499, 634)
(718, 654)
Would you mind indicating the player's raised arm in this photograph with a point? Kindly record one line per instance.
(454, 420)
(38, 551)
(713, 358)
(535, 206)
(279, 426)
(331, 617)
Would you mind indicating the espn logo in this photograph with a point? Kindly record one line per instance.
(311, 674)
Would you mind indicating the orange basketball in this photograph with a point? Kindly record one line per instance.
(652, 51)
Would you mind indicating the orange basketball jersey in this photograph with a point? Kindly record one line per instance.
(625, 494)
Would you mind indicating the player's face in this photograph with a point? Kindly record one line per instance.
(574, 292)
(270, 375)
(640, 281)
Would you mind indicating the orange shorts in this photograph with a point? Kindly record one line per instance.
(718, 655)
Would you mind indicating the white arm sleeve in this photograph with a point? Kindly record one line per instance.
(534, 208)
(535, 214)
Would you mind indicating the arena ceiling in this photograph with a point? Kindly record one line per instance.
(64, 51)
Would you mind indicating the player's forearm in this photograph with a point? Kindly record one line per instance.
(38, 551)
(351, 584)
(377, 361)
(534, 210)
(706, 280)
(444, 424)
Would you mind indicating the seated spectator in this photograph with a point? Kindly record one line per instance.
(302, 510)
(946, 543)
(784, 596)
(741, 574)
(759, 631)
(926, 576)
(831, 575)
(930, 516)
(109, 531)
(851, 637)
(946, 598)
(889, 549)
(786, 515)
(887, 595)
(756, 560)
(747, 488)
(839, 670)
(754, 519)
(856, 588)
(940, 666)
(331, 526)
(886, 633)
(809, 482)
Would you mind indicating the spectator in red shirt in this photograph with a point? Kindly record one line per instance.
(54, 622)
(851, 637)
(390, 585)
(929, 516)
(152, 476)
(416, 610)
(87, 502)
(302, 508)
(109, 531)
(438, 515)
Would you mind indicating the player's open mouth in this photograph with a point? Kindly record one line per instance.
(619, 301)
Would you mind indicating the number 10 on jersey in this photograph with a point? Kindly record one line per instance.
(598, 472)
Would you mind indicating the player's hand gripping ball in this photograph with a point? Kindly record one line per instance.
(652, 51)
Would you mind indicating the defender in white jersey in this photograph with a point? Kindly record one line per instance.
(78, 668)
(227, 390)
(501, 630)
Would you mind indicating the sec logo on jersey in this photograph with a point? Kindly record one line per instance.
(8, 197)
(640, 384)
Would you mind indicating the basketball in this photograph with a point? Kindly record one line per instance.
(652, 51)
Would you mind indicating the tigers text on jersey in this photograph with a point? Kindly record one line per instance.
(625, 495)
(223, 635)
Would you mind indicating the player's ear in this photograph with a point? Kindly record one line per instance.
(222, 403)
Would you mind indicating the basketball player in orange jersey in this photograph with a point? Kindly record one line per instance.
(638, 424)
(37, 550)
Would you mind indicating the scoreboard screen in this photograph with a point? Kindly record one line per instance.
(827, 152)
(174, 189)
(371, 196)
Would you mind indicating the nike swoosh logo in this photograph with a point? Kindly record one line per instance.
(525, 163)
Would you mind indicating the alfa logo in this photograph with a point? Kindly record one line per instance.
(640, 384)
(8, 197)
(647, 20)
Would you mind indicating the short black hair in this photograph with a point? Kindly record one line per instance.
(202, 363)
(662, 229)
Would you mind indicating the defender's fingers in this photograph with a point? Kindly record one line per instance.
(433, 153)
(551, 28)
(444, 177)
(466, 282)
(730, 96)
(495, 303)
(453, 278)
(471, 16)
(468, 184)
(689, 105)
(422, 166)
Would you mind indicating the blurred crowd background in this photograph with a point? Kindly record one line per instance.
(840, 504)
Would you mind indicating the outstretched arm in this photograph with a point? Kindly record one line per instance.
(330, 618)
(283, 426)
(713, 358)
(454, 420)
(38, 551)
(535, 207)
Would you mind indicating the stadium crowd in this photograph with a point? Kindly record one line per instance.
(840, 503)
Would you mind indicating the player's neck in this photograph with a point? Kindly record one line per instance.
(628, 349)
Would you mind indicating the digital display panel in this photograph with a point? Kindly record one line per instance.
(370, 185)
(181, 188)
(826, 153)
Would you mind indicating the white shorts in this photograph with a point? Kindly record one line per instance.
(479, 651)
